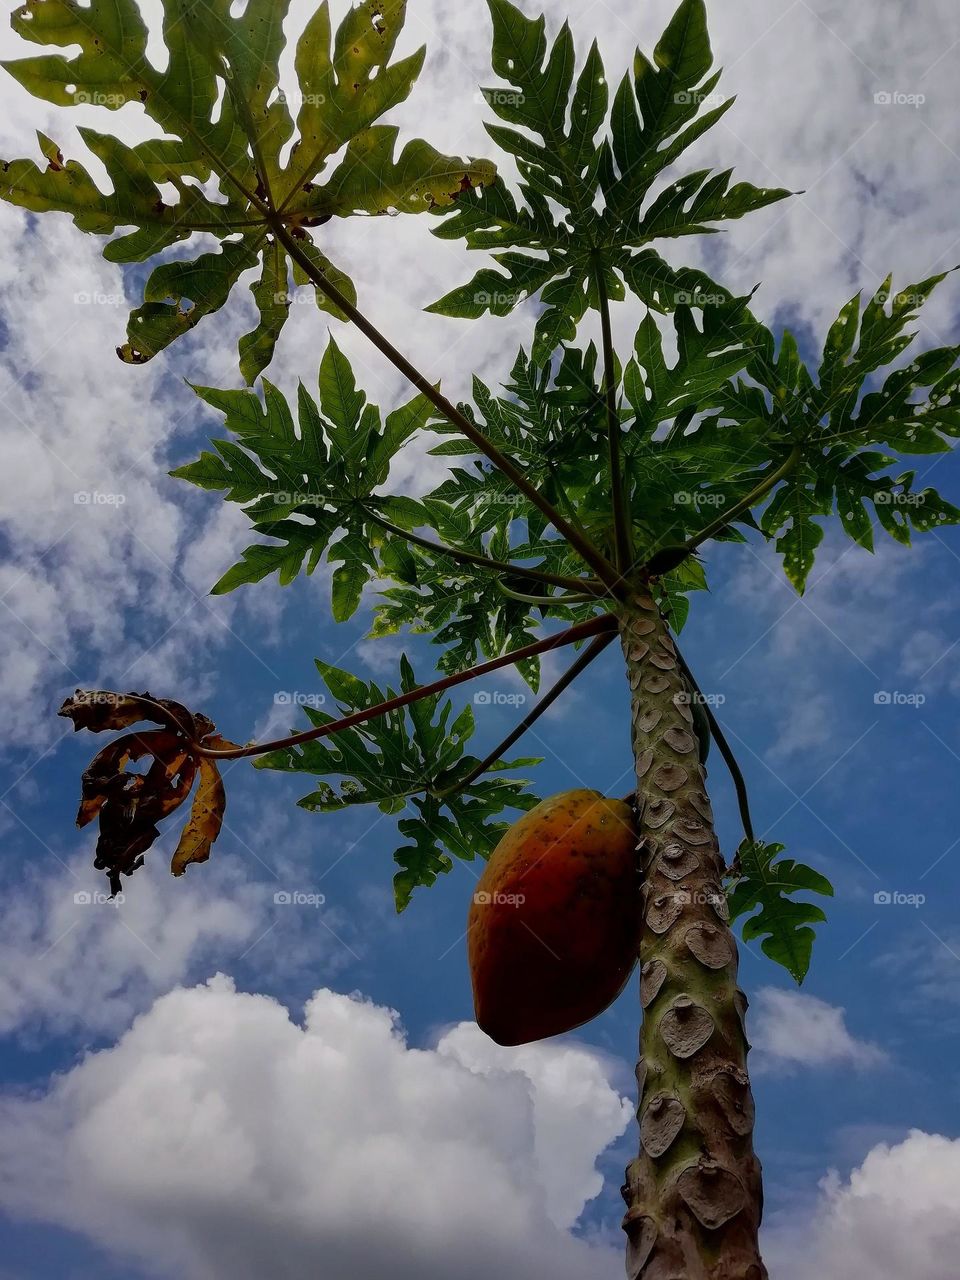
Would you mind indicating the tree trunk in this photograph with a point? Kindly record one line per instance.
(693, 1194)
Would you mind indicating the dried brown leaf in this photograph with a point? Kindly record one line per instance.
(206, 817)
(162, 789)
(101, 709)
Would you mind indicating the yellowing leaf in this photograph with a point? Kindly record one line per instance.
(206, 817)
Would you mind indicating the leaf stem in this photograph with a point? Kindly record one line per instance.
(601, 624)
(545, 600)
(604, 570)
(752, 498)
(548, 699)
(726, 751)
(679, 553)
(621, 520)
(486, 562)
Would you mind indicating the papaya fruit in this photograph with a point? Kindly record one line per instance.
(553, 923)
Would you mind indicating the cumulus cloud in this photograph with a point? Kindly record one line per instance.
(102, 566)
(811, 726)
(895, 1216)
(218, 1137)
(791, 1028)
(572, 1103)
(73, 962)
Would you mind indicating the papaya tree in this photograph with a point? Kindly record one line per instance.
(581, 497)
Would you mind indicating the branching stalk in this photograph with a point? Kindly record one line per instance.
(602, 624)
(544, 601)
(587, 551)
(670, 557)
(752, 498)
(724, 747)
(488, 562)
(621, 516)
(592, 651)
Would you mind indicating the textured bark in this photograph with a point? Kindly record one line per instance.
(693, 1195)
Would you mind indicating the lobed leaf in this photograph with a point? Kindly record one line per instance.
(412, 761)
(227, 155)
(852, 426)
(311, 483)
(604, 187)
(783, 924)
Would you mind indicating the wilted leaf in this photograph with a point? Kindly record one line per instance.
(167, 784)
(101, 709)
(206, 816)
(129, 803)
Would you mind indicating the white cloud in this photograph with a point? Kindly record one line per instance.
(811, 725)
(930, 658)
(72, 965)
(793, 1029)
(218, 1137)
(572, 1104)
(114, 585)
(895, 1216)
(69, 964)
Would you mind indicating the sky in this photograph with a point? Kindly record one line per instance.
(200, 1082)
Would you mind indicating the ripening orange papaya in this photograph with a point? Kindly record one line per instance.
(552, 928)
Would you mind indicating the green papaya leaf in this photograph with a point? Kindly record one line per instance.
(783, 923)
(412, 761)
(606, 188)
(311, 484)
(259, 162)
(851, 426)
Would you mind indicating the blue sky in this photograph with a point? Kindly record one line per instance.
(134, 1133)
